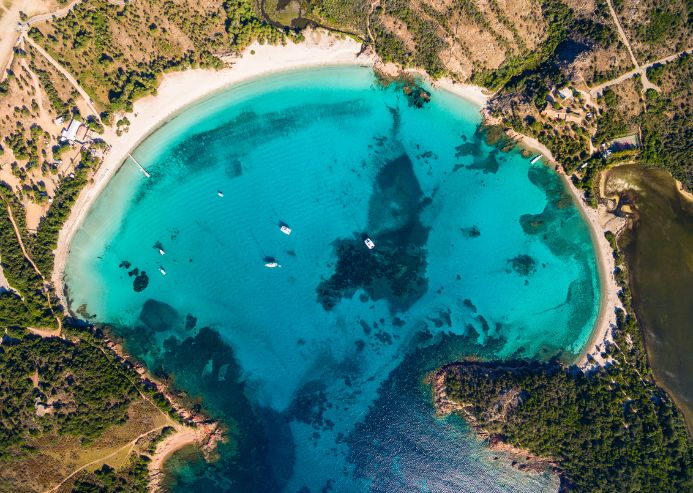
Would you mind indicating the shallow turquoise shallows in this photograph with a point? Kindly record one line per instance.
(316, 365)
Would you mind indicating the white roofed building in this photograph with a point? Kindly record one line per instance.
(70, 133)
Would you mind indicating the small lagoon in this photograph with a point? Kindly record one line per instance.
(316, 367)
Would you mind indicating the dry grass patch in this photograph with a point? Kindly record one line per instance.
(654, 28)
(55, 457)
(602, 64)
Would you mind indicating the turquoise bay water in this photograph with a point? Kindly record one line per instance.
(316, 367)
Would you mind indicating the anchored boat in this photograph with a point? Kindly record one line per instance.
(271, 262)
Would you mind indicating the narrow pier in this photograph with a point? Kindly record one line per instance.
(144, 171)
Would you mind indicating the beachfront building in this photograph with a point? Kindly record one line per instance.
(75, 133)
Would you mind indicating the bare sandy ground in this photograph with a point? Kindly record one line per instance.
(475, 94)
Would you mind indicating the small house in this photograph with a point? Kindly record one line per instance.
(565, 92)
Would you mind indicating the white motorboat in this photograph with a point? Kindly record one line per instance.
(285, 229)
(220, 193)
(535, 159)
(272, 265)
(162, 270)
(369, 243)
(161, 251)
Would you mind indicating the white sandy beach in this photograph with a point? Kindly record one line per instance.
(599, 221)
(180, 89)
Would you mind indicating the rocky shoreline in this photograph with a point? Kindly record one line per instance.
(519, 458)
(192, 428)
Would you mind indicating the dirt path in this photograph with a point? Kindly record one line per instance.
(21, 243)
(622, 34)
(130, 444)
(37, 19)
(11, 26)
(36, 269)
(595, 91)
(43, 114)
(66, 74)
(646, 84)
(374, 4)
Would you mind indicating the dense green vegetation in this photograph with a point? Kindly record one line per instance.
(62, 108)
(661, 21)
(27, 304)
(523, 82)
(429, 44)
(46, 238)
(349, 14)
(560, 20)
(610, 124)
(667, 126)
(90, 42)
(608, 432)
(132, 479)
(86, 392)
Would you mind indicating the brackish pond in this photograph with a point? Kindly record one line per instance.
(316, 367)
(660, 255)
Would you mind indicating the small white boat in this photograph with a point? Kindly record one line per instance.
(369, 243)
(272, 265)
(285, 229)
(161, 251)
(535, 159)
(162, 270)
(220, 193)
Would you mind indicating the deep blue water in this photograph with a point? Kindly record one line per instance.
(316, 366)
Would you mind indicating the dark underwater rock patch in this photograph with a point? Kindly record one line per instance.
(558, 214)
(395, 274)
(488, 164)
(159, 316)
(249, 129)
(395, 269)
(249, 459)
(190, 322)
(140, 282)
(233, 168)
(416, 95)
(310, 404)
(523, 265)
(471, 232)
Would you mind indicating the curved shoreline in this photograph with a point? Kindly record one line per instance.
(596, 220)
(180, 90)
